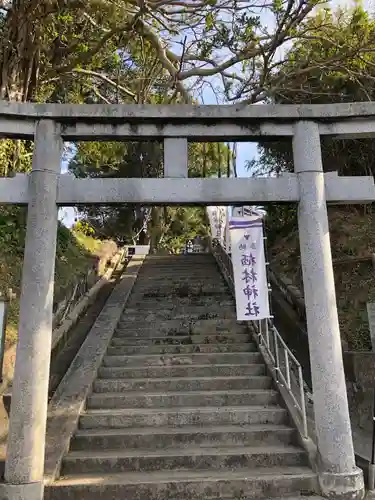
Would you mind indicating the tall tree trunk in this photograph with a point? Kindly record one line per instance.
(19, 52)
(155, 229)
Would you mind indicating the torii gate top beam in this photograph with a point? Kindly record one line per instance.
(176, 125)
(235, 122)
(112, 112)
(182, 191)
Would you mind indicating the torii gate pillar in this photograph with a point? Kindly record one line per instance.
(24, 468)
(332, 421)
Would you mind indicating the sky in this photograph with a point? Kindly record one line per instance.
(245, 151)
(248, 151)
(66, 214)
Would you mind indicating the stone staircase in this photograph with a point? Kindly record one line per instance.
(182, 406)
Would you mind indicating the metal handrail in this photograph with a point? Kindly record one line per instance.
(273, 344)
(279, 353)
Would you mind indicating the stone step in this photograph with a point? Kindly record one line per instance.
(168, 290)
(207, 277)
(116, 400)
(218, 325)
(188, 263)
(193, 272)
(170, 308)
(191, 258)
(299, 497)
(216, 295)
(182, 384)
(200, 327)
(176, 287)
(195, 458)
(133, 315)
(163, 329)
(172, 260)
(180, 267)
(180, 349)
(183, 273)
(168, 437)
(152, 304)
(180, 325)
(183, 259)
(182, 291)
(189, 277)
(176, 283)
(133, 332)
(204, 358)
(179, 262)
(270, 483)
(182, 371)
(172, 305)
(236, 415)
(182, 339)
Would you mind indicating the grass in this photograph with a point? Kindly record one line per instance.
(75, 253)
(352, 232)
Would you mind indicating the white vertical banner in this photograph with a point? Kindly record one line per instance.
(227, 233)
(248, 211)
(249, 268)
(212, 217)
(218, 219)
(237, 212)
(222, 220)
(3, 317)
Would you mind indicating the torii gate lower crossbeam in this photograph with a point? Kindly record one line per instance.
(45, 189)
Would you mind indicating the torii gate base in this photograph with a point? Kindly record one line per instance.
(45, 189)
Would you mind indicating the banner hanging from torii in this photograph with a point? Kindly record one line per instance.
(218, 217)
(248, 211)
(249, 268)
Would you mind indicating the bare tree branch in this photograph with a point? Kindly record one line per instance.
(105, 78)
(97, 93)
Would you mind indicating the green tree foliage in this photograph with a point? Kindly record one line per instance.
(313, 73)
(48, 49)
(181, 224)
(302, 79)
(143, 159)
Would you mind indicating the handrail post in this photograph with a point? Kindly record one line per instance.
(303, 403)
(287, 368)
(267, 334)
(277, 359)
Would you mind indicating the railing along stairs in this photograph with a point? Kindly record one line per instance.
(286, 368)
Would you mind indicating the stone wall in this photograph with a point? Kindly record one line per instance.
(359, 366)
(360, 381)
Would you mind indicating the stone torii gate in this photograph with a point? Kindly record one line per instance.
(44, 190)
